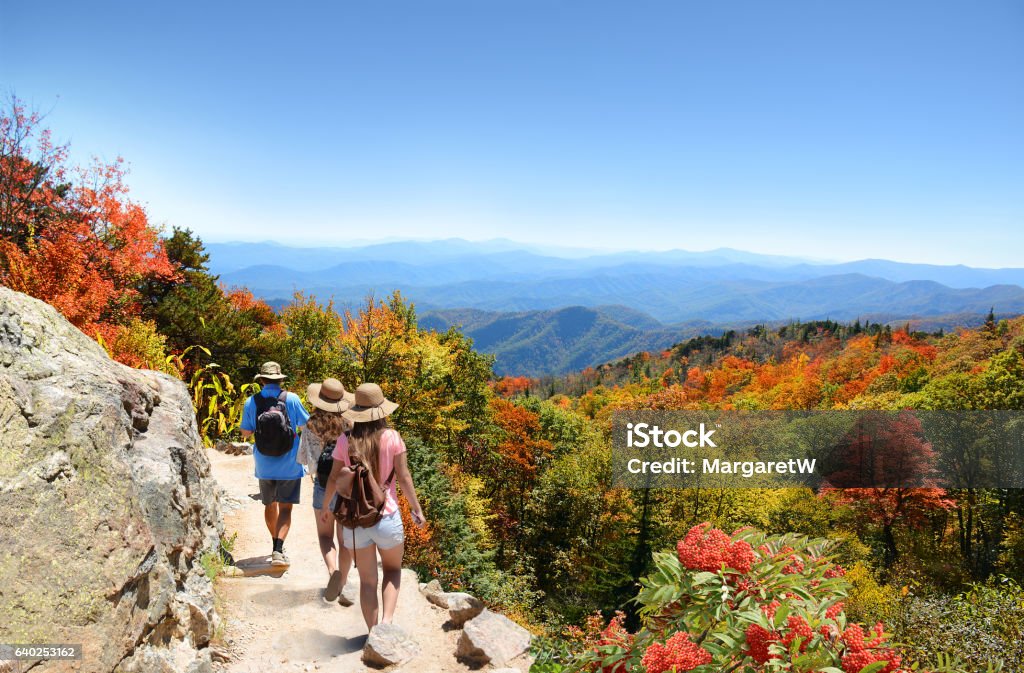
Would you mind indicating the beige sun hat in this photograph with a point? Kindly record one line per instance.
(270, 371)
(330, 396)
(370, 405)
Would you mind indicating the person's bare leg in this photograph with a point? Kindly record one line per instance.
(366, 562)
(270, 517)
(284, 520)
(391, 559)
(344, 554)
(325, 535)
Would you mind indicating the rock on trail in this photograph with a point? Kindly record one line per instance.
(490, 638)
(388, 645)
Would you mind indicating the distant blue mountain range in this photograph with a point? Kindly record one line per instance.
(515, 292)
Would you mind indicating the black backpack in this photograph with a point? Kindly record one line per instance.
(325, 463)
(275, 435)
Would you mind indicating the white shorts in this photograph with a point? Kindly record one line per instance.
(387, 533)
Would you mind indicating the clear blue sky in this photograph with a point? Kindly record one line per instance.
(827, 129)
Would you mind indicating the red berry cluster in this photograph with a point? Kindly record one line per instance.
(706, 548)
(678, 654)
(834, 611)
(612, 635)
(814, 615)
(860, 652)
(741, 556)
(835, 571)
(796, 564)
(798, 628)
(759, 639)
(615, 633)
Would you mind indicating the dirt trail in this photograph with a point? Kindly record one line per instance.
(282, 623)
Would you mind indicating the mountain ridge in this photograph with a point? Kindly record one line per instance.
(561, 340)
(540, 313)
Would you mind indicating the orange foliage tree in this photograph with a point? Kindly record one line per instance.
(78, 242)
(510, 386)
(519, 451)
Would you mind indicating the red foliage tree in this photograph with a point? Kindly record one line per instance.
(79, 244)
(886, 474)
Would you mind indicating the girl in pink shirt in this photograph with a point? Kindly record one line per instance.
(390, 446)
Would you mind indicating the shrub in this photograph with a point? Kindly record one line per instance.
(981, 625)
(746, 602)
(868, 600)
(137, 344)
(218, 403)
(214, 561)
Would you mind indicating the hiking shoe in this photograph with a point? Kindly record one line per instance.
(333, 586)
(279, 559)
(347, 596)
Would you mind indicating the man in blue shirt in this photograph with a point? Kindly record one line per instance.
(280, 476)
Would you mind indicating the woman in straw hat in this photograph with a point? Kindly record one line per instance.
(380, 448)
(326, 429)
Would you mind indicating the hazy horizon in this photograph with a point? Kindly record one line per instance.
(572, 252)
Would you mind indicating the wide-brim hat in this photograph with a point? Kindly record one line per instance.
(330, 396)
(370, 405)
(270, 371)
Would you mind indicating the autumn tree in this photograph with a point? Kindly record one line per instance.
(33, 176)
(518, 453)
(885, 473)
(511, 386)
(313, 334)
(71, 236)
(439, 381)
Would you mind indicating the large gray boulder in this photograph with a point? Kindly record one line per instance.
(490, 638)
(435, 594)
(389, 645)
(462, 607)
(108, 502)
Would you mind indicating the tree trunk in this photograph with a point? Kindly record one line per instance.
(891, 553)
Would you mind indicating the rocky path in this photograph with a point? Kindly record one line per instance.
(282, 623)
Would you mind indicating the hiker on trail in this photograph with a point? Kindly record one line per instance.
(326, 429)
(364, 474)
(274, 417)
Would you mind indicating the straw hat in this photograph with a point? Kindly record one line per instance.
(270, 371)
(370, 405)
(329, 396)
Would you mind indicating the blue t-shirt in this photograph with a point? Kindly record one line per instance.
(277, 467)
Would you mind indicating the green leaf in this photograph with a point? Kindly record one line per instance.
(725, 638)
(874, 667)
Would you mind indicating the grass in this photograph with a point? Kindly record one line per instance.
(213, 560)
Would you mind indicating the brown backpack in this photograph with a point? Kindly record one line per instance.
(361, 500)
